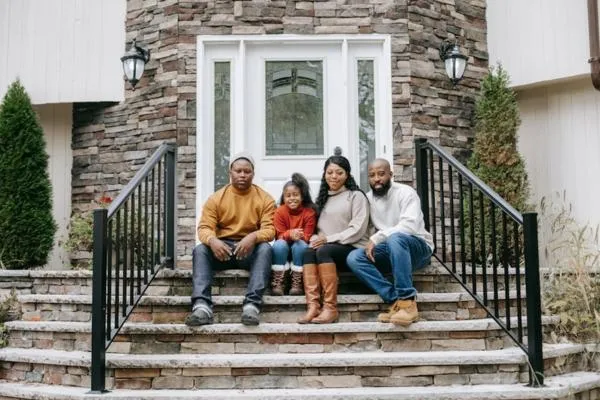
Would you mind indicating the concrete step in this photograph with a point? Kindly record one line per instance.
(300, 370)
(163, 309)
(168, 338)
(580, 385)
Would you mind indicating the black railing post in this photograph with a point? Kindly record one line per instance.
(170, 207)
(422, 178)
(98, 363)
(534, 309)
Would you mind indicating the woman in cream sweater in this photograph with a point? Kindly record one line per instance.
(342, 227)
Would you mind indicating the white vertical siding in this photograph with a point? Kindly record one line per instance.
(539, 40)
(63, 51)
(57, 122)
(560, 140)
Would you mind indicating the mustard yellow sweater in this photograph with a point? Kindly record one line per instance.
(231, 214)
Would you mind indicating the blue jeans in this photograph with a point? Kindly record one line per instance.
(281, 252)
(400, 253)
(259, 264)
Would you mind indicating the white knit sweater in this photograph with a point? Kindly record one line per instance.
(398, 211)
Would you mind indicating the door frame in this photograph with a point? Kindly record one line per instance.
(234, 51)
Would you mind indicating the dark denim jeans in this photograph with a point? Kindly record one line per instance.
(400, 253)
(281, 252)
(204, 262)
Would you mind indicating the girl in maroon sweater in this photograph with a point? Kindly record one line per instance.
(295, 220)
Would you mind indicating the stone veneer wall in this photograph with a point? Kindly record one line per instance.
(111, 141)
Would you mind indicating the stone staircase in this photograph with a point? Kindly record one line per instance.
(453, 352)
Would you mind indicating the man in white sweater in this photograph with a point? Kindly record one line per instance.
(400, 244)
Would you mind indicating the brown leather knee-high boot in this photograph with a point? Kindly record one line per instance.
(329, 282)
(312, 290)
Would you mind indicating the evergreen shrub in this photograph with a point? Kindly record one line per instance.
(497, 162)
(27, 227)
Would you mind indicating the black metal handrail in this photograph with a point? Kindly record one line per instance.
(462, 213)
(133, 239)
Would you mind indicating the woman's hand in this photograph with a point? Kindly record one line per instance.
(317, 241)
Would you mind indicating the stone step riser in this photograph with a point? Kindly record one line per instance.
(179, 283)
(347, 285)
(293, 378)
(430, 311)
(268, 343)
(283, 377)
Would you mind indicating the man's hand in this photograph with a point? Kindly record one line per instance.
(296, 234)
(220, 249)
(245, 246)
(369, 251)
(317, 241)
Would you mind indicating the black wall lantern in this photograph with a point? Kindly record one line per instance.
(134, 61)
(455, 62)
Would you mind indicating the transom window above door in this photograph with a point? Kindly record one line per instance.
(290, 100)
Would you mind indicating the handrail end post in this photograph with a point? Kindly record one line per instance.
(171, 204)
(98, 356)
(533, 292)
(422, 178)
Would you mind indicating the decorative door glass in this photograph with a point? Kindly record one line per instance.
(222, 128)
(294, 108)
(366, 118)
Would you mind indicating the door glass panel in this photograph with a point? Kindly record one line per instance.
(366, 118)
(222, 106)
(294, 107)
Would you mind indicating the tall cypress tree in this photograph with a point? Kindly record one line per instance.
(496, 160)
(26, 224)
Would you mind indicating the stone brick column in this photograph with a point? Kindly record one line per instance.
(111, 141)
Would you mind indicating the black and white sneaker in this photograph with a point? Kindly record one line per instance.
(201, 315)
(250, 314)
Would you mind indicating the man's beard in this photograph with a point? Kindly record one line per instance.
(382, 191)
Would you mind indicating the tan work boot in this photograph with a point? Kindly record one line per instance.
(407, 313)
(296, 288)
(329, 282)
(277, 282)
(385, 317)
(312, 290)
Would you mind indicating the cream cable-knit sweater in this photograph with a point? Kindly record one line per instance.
(345, 218)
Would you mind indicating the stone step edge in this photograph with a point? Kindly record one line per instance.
(436, 269)
(268, 300)
(287, 360)
(486, 324)
(555, 387)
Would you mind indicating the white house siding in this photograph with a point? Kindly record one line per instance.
(560, 140)
(57, 122)
(539, 40)
(63, 51)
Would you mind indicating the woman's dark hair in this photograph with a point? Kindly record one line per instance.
(299, 181)
(324, 188)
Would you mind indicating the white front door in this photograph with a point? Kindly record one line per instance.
(294, 117)
(290, 100)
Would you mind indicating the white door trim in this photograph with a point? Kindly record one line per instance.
(234, 48)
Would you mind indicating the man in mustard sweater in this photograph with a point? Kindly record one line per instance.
(234, 231)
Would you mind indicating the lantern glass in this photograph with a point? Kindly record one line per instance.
(455, 67)
(133, 68)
